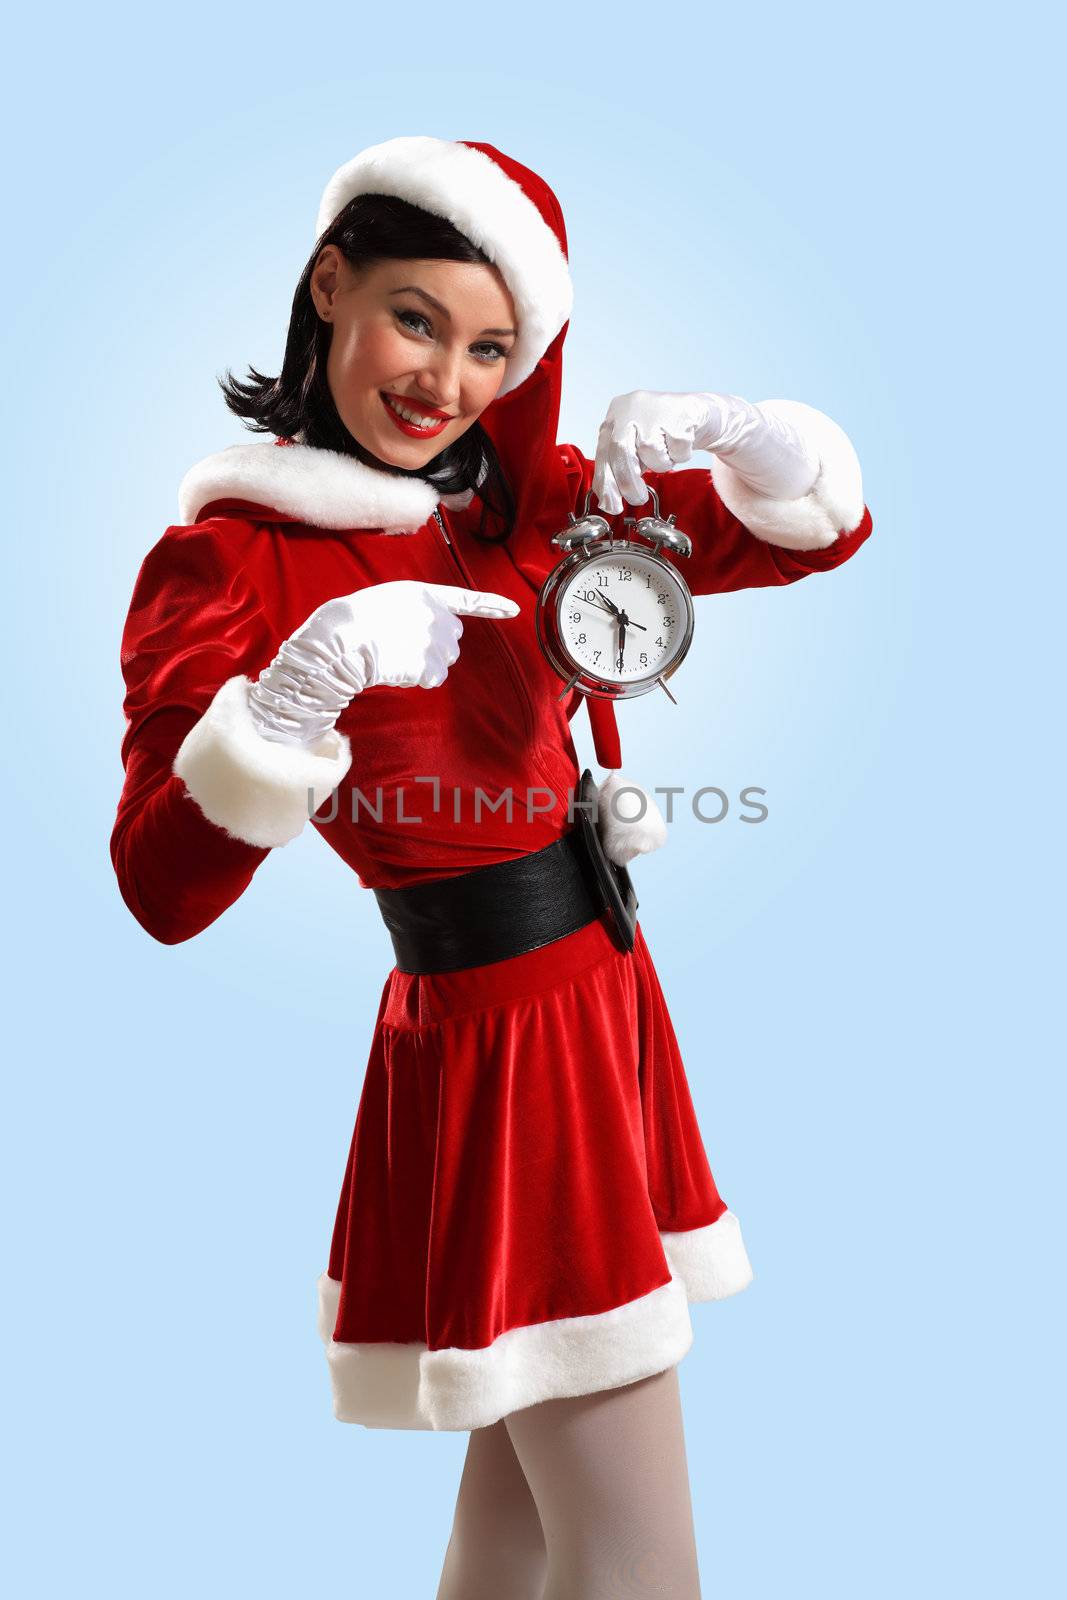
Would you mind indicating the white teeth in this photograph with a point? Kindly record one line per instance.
(413, 416)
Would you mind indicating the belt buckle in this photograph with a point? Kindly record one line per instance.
(615, 881)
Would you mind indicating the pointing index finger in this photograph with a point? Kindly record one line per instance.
(472, 602)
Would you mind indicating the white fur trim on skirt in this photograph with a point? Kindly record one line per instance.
(385, 1385)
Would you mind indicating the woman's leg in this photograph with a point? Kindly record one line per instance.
(497, 1548)
(610, 1479)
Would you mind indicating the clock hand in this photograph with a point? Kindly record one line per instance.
(592, 597)
(622, 638)
(605, 614)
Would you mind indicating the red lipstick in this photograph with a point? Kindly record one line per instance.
(415, 405)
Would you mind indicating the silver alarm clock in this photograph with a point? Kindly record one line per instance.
(615, 618)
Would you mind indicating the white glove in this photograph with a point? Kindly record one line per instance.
(646, 431)
(404, 633)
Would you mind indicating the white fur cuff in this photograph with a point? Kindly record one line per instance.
(249, 786)
(814, 521)
(712, 1262)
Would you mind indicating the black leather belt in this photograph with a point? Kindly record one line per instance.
(513, 906)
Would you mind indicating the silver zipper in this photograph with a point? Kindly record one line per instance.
(511, 661)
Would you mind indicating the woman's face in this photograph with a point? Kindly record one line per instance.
(392, 345)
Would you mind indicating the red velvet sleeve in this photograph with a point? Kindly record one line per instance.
(726, 555)
(193, 622)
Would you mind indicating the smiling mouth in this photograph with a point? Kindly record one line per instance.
(416, 422)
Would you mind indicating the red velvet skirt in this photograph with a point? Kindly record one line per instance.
(528, 1207)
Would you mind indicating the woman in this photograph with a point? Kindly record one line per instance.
(528, 1208)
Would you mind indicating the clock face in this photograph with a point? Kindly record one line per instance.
(624, 615)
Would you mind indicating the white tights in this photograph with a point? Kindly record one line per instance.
(585, 1498)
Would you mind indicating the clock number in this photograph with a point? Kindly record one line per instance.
(596, 656)
(581, 638)
(625, 574)
(602, 579)
(661, 644)
(662, 598)
(644, 659)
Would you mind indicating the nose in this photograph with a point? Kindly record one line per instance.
(439, 379)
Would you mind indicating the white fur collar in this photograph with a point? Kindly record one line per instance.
(322, 487)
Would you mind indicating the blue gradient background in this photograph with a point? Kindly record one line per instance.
(847, 210)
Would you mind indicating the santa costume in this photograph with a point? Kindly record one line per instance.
(528, 1208)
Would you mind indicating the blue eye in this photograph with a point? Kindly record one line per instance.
(409, 317)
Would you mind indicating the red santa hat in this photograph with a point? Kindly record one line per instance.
(503, 208)
(514, 218)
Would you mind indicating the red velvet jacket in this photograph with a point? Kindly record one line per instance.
(215, 598)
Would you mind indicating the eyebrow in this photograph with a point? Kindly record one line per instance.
(413, 288)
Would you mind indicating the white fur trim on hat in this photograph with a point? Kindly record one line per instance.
(475, 194)
(323, 487)
(631, 823)
(833, 506)
(388, 1385)
(253, 788)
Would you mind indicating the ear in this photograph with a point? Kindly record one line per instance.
(630, 821)
(327, 277)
